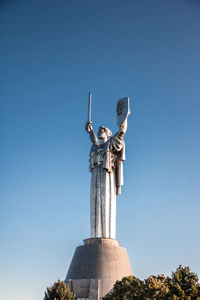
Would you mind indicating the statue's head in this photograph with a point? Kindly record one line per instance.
(104, 132)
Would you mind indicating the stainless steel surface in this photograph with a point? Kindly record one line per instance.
(89, 106)
(106, 165)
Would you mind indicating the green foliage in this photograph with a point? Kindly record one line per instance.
(156, 287)
(183, 285)
(59, 291)
(129, 288)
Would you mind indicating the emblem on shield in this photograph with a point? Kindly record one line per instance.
(123, 110)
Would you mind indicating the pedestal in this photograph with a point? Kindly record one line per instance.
(96, 266)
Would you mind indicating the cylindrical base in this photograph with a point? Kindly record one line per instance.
(96, 266)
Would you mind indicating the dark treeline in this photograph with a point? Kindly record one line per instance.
(182, 285)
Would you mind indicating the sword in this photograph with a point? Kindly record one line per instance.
(89, 107)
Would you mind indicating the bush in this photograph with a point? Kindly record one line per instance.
(59, 291)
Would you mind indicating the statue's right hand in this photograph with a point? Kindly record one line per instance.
(88, 126)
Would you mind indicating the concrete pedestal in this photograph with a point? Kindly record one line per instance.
(96, 266)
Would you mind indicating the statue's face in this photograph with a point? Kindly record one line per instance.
(102, 133)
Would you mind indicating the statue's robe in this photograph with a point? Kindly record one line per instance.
(106, 165)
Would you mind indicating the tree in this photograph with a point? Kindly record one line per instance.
(129, 288)
(184, 284)
(59, 291)
(156, 287)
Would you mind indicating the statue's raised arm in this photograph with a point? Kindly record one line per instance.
(122, 129)
(93, 137)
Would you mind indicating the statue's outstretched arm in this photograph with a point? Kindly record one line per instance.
(122, 129)
(90, 130)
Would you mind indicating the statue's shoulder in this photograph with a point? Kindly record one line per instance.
(116, 137)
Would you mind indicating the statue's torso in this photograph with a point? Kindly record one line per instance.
(102, 155)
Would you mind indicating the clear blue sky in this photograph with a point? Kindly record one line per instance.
(52, 53)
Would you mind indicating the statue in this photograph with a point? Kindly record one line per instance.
(106, 165)
(100, 262)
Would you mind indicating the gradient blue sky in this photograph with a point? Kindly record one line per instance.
(52, 53)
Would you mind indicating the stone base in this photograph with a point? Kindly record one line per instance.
(96, 266)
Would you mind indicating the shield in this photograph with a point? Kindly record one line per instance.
(123, 110)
